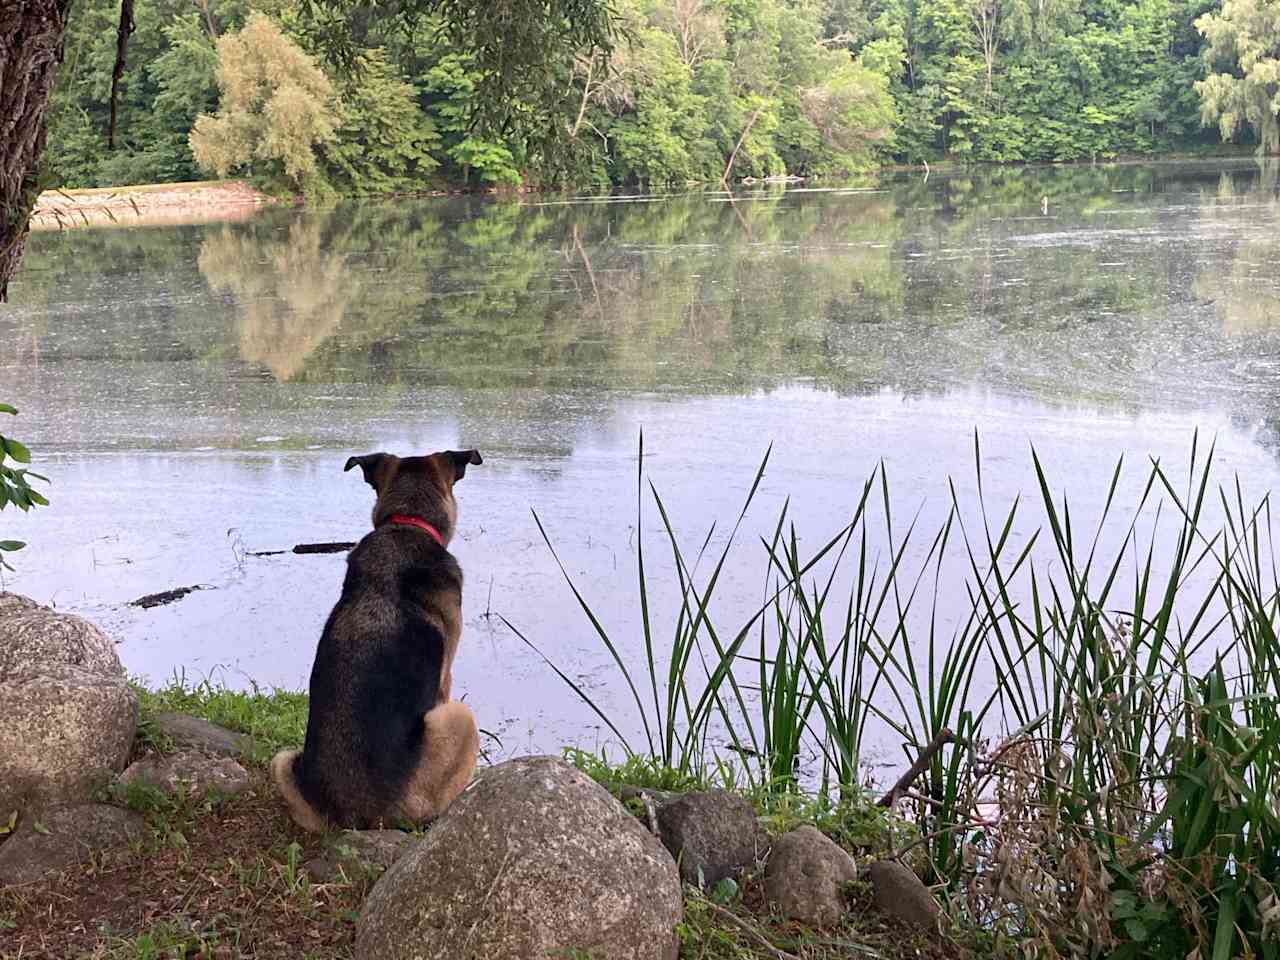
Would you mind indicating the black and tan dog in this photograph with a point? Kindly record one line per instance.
(384, 742)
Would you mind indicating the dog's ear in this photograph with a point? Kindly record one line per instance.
(460, 459)
(375, 467)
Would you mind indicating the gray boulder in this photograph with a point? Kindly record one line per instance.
(900, 893)
(357, 854)
(11, 603)
(533, 860)
(64, 732)
(31, 635)
(194, 733)
(59, 838)
(714, 834)
(195, 773)
(806, 877)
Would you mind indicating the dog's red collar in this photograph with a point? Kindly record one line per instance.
(404, 519)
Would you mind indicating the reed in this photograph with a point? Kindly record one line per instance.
(1113, 781)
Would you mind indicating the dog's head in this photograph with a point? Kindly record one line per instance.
(417, 486)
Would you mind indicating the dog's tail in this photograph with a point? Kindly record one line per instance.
(282, 772)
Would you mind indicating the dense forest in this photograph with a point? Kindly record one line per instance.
(695, 90)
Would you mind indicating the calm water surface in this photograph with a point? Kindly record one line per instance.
(193, 392)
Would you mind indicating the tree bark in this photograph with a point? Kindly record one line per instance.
(117, 72)
(31, 36)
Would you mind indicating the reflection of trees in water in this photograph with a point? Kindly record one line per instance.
(292, 292)
(1244, 286)
(919, 286)
(297, 277)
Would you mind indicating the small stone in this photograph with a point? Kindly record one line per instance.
(359, 853)
(199, 774)
(59, 838)
(806, 877)
(900, 893)
(193, 733)
(711, 833)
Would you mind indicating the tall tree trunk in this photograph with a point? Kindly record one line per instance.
(31, 33)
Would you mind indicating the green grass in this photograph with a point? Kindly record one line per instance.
(275, 719)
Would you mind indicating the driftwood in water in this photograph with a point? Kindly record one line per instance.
(323, 547)
(336, 547)
(169, 596)
(163, 597)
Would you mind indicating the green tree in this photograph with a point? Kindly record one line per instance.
(853, 114)
(450, 86)
(1245, 35)
(519, 47)
(383, 142)
(277, 107)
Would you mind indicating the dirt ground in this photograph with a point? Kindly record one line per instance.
(207, 882)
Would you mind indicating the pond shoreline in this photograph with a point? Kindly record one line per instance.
(144, 204)
(216, 200)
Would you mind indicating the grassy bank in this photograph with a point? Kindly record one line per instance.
(225, 878)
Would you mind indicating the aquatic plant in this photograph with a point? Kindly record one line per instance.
(1099, 735)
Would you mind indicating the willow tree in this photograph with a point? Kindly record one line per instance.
(1246, 37)
(518, 46)
(276, 107)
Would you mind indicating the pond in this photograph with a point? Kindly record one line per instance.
(193, 391)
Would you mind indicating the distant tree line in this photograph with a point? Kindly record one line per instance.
(694, 90)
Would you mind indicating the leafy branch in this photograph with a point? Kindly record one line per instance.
(15, 487)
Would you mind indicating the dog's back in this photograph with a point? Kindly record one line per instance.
(377, 671)
(382, 740)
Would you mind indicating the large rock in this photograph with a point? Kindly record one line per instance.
(712, 835)
(32, 635)
(900, 893)
(534, 860)
(60, 838)
(64, 732)
(194, 773)
(194, 733)
(806, 877)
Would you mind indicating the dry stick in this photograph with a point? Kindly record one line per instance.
(944, 737)
(728, 167)
(929, 837)
(752, 931)
(586, 95)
